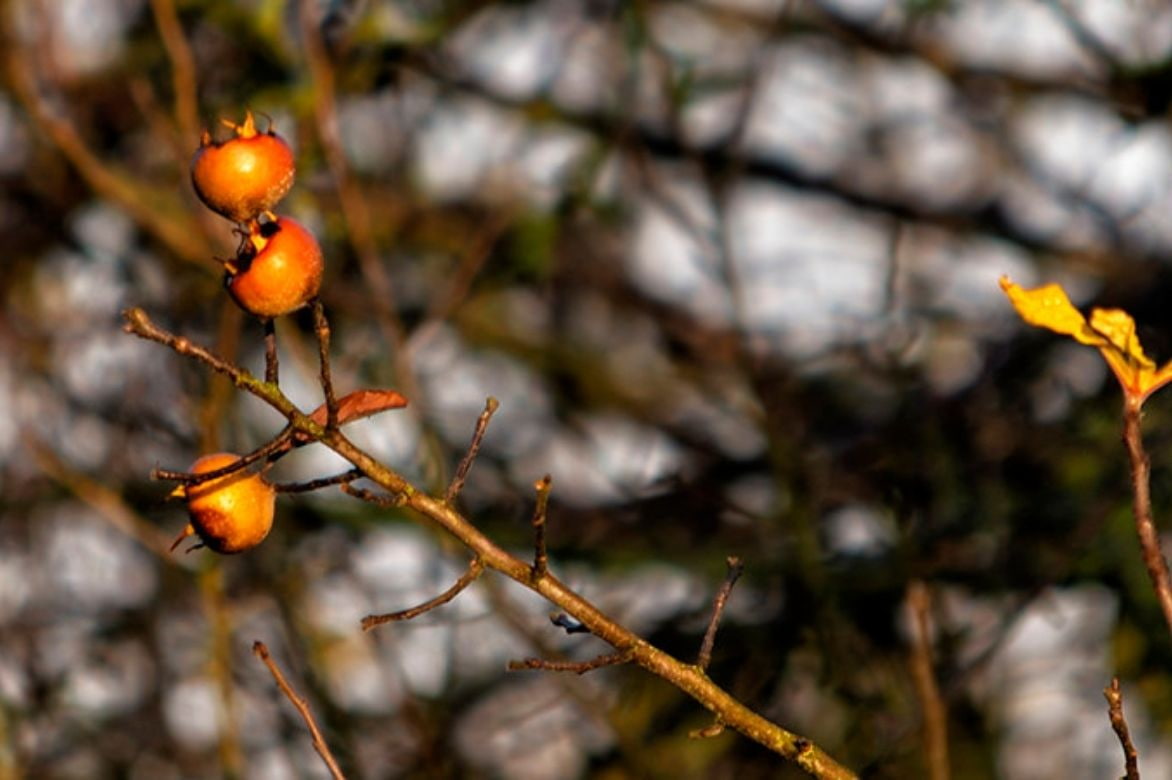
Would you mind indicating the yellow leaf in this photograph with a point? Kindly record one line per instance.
(1118, 327)
(1049, 307)
(1111, 330)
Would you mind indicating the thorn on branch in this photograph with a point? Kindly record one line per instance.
(543, 487)
(344, 478)
(319, 744)
(708, 732)
(490, 407)
(577, 667)
(321, 327)
(568, 624)
(1114, 698)
(475, 568)
(735, 567)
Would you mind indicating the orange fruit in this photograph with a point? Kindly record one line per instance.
(278, 270)
(245, 176)
(230, 514)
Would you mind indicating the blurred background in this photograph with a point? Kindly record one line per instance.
(730, 267)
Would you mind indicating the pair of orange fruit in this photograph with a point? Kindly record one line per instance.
(278, 268)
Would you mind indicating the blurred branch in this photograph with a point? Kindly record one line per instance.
(684, 676)
(1145, 526)
(319, 744)
(183, 80)
(934, 715)
(1114, 698)
(171, 227)
(100, 498)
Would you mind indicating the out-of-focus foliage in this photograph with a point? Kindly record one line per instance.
(731, 269)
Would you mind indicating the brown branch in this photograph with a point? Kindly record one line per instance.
(318, 484)
(319, 744)
(543, 487)
(1145, 526)
(271, 451)
(934, 716)
(457, 484)
(475, 569)
(321, 326)
(1114, 698)
(183, 80)
(735, 567)
(684, 676)
(577, 667)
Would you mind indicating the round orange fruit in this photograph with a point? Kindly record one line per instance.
(245, 176)
(229, 514)
(277, 271)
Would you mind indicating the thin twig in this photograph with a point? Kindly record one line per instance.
(321, 327)
(475, 568)
(735, 567)
(934, 716)
(272, 371)
(1114, 698)
(369, 496)
(1145, 526)
(319, 744)
(543, 487)
(490, 407)
(270, 451)
(318, 484)
(577, 667)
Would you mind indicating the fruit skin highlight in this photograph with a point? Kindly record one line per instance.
(245, 176)
(277, 271)
(229, 514)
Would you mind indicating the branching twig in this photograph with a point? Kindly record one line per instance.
(1115, 712)
(684, 676)
(490, 407)
(543, 487)
(577, 667)
(735, 567)
(302, 706)
(475, 568)
(1145, 527)
(933, 713)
